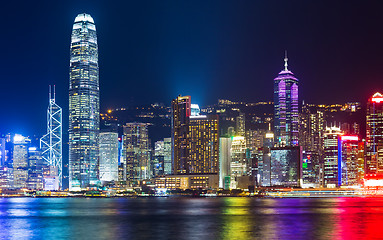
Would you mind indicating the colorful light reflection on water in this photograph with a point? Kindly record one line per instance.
(191, 218)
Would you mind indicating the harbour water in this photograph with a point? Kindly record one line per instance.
(191, 218)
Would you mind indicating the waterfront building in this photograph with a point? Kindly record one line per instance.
(162, 161)
(84, 104)
(374, 134)
(350, 164)
(186, 181)
(108, 156)
(137, 152)
(311, 132)
(310, 169)
(121, 161)
(195, 139)
(6, 170)
(239, 165)
(36, 165)
(264, 165)
(181, 111)
(2, 151)
(20, 160)
(312, 126)
(332, 163)
(167, 156)
(6, 178)
(224, 162)
(286, 166)
(158, 160)
(51, 142)
(361, 161)
(203, 145)
(286, 108)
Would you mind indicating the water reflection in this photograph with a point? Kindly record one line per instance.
(186, 218)
(237, 219)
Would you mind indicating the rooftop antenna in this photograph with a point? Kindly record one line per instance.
(286, 59)
(54, 92)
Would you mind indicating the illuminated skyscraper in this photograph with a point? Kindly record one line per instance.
(350, 164)
(20, 160)
(181, 111)
(374, 135)
(167, 156)
(36, 166)
(51, 143)
(224, 162)
(108, 156)
(2, 152)
(203, 145)
(137, 152)
(312, 126)
(84, 104)
(239, 162)
(158, 160)
(332, 161)
(286, 108)
(195, 140)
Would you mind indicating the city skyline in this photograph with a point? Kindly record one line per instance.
(175, 66)
(171, 119)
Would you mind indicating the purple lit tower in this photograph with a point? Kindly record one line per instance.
(286, 108)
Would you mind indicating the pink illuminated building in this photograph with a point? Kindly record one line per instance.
(374, 134)
(286, 108)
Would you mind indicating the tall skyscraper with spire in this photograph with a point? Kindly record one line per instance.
(84, 104)
(286, 108)
(51, 143)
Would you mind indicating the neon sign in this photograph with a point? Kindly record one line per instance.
(349, 138)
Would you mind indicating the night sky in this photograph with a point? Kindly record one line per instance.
(151, 51)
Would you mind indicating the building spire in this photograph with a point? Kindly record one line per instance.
(286, 59)
(54, 92)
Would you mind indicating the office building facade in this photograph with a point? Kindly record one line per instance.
(137, 152)
(108, 156)
(84, 104)
(332, 161)
(374, 134)
(286, 108)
